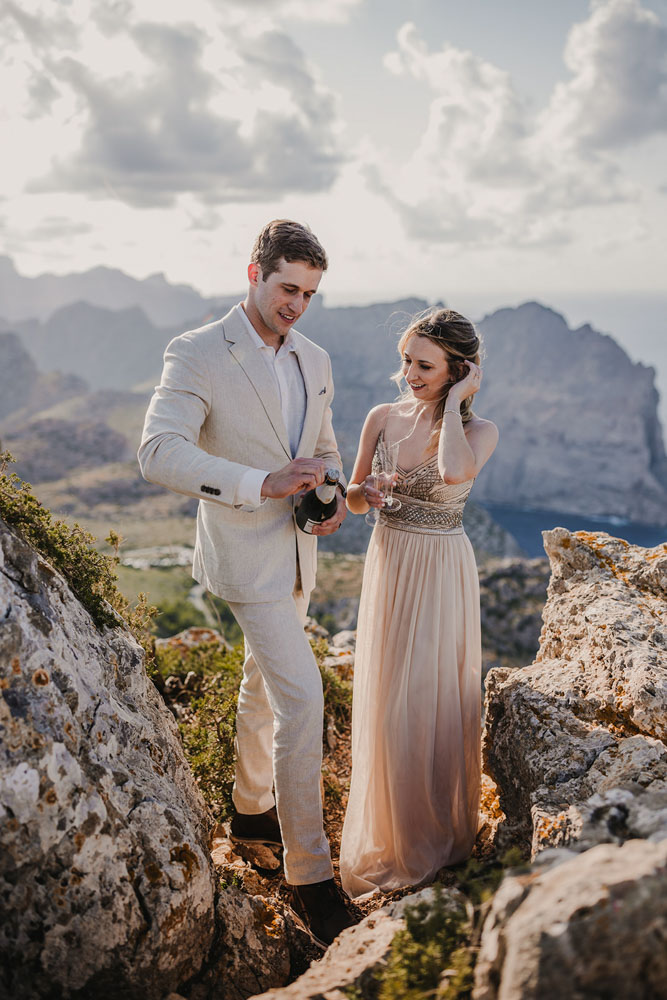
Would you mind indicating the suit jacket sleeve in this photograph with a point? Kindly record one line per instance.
(169, 453)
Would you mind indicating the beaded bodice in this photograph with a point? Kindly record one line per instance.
(427, 503)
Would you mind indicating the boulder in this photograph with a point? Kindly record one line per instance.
(575, 742)
(589, 925)
(252, 952)
(349, 966)
(106, 885)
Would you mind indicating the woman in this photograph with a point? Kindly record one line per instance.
(414, 791)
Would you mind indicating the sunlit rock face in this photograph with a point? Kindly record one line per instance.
(575, 741)
(587, 925)
(105, 874)
(576, 744)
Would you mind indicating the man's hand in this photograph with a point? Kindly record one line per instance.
(334, 522)
(299, 475)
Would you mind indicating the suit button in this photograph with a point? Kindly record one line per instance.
(204, 489)
(216, 492)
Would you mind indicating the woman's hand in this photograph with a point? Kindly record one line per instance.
(467, 386)
(370, 492)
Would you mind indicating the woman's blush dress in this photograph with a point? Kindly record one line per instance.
(414, 793)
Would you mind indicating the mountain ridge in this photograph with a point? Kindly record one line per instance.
(578, 419)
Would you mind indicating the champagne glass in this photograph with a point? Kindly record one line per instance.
(387, 456)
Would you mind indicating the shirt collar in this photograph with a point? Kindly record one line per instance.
(289, 343)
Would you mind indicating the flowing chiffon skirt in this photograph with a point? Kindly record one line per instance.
(414, 794)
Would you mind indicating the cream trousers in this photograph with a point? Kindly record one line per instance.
(279, 732)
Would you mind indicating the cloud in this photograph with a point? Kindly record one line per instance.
(618, 91)
(332, 11)
(486, 168)
(58, 227)
(152, 110)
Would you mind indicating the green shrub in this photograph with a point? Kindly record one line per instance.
(89, 573)
(208, 741)
(208, 728)
(208, 660)
(433, 942)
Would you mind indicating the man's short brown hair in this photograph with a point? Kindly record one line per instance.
(284, 238)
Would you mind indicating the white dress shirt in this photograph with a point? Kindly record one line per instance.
(286, 371)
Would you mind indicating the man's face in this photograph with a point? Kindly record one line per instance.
(274, 305)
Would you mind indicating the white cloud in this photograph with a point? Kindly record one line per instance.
(329, 11)
(618, 90)
(145, 102)
(485, 168)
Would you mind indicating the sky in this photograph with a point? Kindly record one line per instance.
(479, 152)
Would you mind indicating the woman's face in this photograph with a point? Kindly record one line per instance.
(425, 368)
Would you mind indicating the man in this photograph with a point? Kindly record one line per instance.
(242, 421)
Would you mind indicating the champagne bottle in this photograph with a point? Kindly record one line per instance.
(318, 504)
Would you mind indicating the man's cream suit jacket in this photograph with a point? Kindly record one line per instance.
(215, 414)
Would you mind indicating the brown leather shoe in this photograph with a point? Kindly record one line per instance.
(324, 909)
(256, 828)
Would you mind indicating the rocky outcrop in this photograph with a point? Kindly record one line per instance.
(575, 742)
(105, 875)
(351, 964)
(576, 745)
(573, 411)
(590, 925)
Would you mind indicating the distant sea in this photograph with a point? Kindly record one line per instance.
(527, 526)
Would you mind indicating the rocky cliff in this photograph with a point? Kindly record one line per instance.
(578, 420)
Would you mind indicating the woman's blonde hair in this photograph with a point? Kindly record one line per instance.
(459, 341)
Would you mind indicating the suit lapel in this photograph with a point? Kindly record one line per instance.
(313, 417)
(249, 358)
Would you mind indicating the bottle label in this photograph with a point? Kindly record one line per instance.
(309, 525)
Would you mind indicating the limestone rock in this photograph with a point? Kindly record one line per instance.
(252, 952)
(590, 925)
(105, 875)
(575, 742)
(357, 953)
(555, 451)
